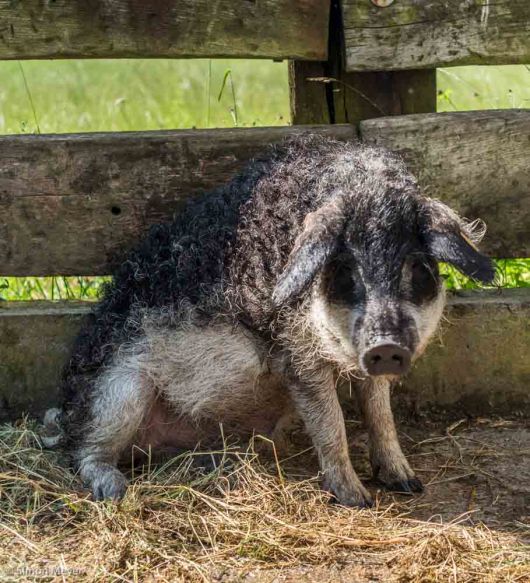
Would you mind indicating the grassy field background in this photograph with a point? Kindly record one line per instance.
(88, 96)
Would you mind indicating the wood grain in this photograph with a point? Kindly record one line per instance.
(63, 29)
(325, 92)
(35, 343)
(74, 204)
(415, 34)
(308, 98)
(479, 365)
(478, 162)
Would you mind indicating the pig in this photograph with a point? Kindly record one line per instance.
(318, 261)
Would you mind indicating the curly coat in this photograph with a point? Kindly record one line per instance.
(250, 254)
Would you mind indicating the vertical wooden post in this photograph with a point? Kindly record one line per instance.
(308, 98)
(323, 92)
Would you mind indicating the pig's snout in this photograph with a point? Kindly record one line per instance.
(387, 359)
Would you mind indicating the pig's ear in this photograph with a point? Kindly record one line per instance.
(450, 239)
(312, 249)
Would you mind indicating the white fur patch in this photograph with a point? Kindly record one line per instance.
(202, 371)
(121, 398)
(334, 327)
(427, 319)
(201, 377)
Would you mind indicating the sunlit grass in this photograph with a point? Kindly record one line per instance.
(51, 288)
(468, 88)
(129, 94)
(510, 273)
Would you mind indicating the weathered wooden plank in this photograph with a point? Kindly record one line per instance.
(309, 99)
(35, 29)
(414, 90)
(478, 162)
(76, 203)
(73, 204)
(35, 341)
(415, 34)
(359, 96)
(479, 363)
(324, 92)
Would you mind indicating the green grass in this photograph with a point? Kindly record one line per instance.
(51, 288)
(95, 95)
(467, 88)
(510, 273)
(122, 95)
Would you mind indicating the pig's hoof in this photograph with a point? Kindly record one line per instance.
(351, 497)
(396, 475)
(357, 502)
(354, 500)
(110, 485)
(407, 486)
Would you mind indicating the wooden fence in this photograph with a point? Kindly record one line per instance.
(421, 34)
(354, 72)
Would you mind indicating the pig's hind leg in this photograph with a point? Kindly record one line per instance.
(121, 400)
(389, 464)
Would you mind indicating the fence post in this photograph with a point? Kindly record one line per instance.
(323, 92)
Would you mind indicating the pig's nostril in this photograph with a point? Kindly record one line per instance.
(387, 359)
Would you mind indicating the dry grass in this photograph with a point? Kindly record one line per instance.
(177, 523)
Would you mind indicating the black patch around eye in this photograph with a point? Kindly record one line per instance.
(342, 287)
(425, 281)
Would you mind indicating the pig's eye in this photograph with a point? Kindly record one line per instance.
(420, 272)
(424, 280)
(342, 287)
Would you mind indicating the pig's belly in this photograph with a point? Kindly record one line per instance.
(205, 378)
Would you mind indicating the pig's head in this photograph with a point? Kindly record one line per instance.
(367, 264)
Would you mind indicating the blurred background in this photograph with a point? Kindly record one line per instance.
(126, 95)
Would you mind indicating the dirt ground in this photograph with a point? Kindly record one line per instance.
(474, 472)
(472, 523)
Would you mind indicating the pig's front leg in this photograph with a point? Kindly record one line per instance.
(389, 464)
(316, 401)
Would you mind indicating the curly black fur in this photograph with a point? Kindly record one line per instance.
(227, 250)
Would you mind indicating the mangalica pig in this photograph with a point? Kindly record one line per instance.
(319, 260)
